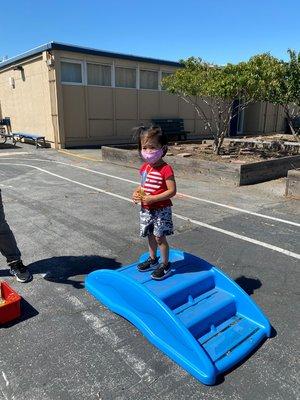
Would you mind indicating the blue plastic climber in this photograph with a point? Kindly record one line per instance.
(198, 316)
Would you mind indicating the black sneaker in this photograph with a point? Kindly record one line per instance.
(148, 265)
(18, 269)
(161, 272)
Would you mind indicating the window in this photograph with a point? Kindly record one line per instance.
(99, 74)
(71, 72)
(149, 80)
(125, 77)
(164, 75)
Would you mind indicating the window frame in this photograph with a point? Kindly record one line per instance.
(83, 71)
(104, 65)
(137, 76)
(150, 70)
(113, 68)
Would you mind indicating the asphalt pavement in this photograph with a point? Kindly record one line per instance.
(71, 214)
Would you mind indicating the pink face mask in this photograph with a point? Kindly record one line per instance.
(152, 156)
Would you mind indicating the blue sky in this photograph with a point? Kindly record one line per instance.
(219, 31)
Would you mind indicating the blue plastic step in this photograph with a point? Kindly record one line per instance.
(180, 287)
(198, 316)
(223, 345)
(184, 273)
(207, 310)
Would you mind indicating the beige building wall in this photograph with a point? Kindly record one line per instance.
(101, 115)
(264, 118)
(25, 98)
(80, 114)
(105, 115)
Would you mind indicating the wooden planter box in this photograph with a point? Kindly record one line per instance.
(237, 174)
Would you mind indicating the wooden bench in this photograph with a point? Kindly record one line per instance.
(6, 133)
(4, 136)
(5, 122)
(5, 130)
(172, 127)
(39, 140)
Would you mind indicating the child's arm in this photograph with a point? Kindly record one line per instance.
(167, 194)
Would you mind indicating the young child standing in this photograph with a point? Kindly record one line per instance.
(157, 187)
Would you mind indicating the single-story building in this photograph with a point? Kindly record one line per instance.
(77, 96)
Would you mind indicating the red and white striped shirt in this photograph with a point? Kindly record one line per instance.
(153, 182)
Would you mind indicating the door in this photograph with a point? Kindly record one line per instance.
(237, 122)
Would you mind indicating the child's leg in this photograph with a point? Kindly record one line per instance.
(163, 226)
(164, 269)
(152, 246)
(164, 248)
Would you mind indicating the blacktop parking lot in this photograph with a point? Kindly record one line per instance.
(72, 214)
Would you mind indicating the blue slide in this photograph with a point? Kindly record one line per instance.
(198, 316)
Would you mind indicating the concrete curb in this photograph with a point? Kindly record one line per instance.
(238, 175)
(293, 184)
(182, 166)
(267, 170)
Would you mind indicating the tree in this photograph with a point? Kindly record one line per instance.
(286, 90)
(218, 87)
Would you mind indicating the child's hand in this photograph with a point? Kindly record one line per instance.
(148, 199)
(136, 196)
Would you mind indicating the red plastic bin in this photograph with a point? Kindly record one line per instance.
(11, 309)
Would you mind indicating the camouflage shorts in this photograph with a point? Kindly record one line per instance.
(157, 222)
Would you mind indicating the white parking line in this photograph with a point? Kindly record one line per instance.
(70, 180)
(236, 235)
(13, 154)
(182, 195)
(285, 221)
(199, 223)
(5, 379)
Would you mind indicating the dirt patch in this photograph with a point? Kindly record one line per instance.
(239, 151)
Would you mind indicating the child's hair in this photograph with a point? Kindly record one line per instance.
(153, 131)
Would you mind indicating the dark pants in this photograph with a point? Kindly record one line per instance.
(8, 244)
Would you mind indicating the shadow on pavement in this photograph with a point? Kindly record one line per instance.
(69, 270)
(27, 312)
(5, 146)
(249, 285)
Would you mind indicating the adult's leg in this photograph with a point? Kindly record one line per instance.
(8, 244)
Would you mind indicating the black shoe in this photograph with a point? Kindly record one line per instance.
(18, 269)
(148, 265)
(161, 272)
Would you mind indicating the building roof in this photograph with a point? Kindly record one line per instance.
(84, 50)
